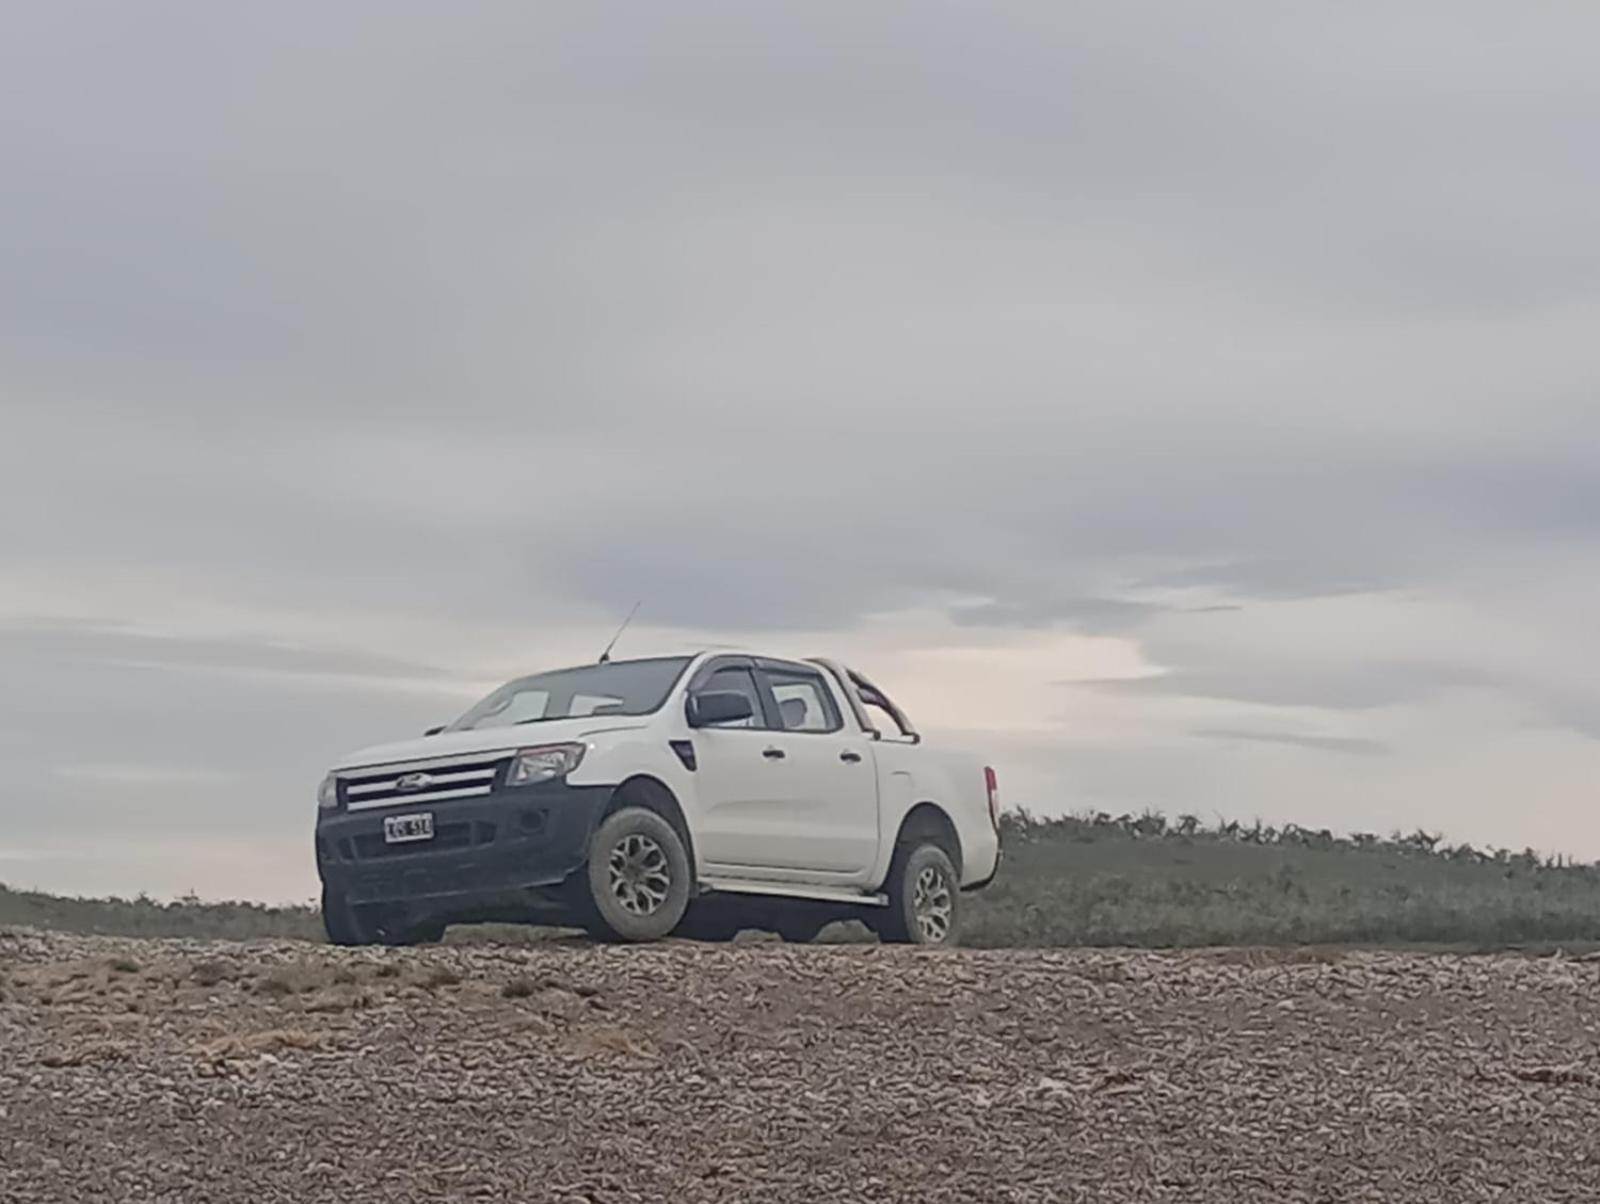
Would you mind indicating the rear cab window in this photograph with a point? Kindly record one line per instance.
(805, 700)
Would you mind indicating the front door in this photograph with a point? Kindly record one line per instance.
(738, 779)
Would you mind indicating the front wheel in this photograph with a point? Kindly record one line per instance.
(924, 898)
(638, 877)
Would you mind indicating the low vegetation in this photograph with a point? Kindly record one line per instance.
(144, 916)
(1149, 882)
(1143, 881)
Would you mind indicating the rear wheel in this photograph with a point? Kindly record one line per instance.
(924, 898)
(638, 877)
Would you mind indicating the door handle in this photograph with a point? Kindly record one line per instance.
(850, 756)
(773, 754)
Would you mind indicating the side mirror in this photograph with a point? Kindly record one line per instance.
(434, 731)
(718, 706)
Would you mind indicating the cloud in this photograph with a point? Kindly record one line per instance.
(176, 776)
(1089, 614)
(1352, 686)
(338, 373)
(93, 641)
(1347, 745)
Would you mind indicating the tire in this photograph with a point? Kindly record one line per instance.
(347, 924)
(638, 877)
(924, 898)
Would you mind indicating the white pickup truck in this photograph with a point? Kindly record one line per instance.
(685, 795)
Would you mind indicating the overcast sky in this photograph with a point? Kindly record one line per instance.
(1194, 406)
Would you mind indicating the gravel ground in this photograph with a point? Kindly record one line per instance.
(269, 1071)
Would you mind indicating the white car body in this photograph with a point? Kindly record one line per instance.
(810, 814)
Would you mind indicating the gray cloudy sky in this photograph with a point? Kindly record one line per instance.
(1192, 404)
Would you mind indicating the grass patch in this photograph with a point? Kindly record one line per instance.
(146, 917)
(1138, 881)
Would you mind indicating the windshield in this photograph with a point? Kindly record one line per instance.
(619, 688)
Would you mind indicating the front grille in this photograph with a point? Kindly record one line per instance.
(420, 782)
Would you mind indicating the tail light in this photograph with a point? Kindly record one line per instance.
(992, 785)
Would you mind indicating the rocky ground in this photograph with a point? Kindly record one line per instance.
(195, 1071)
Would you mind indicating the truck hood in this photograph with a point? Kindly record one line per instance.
(495, 739)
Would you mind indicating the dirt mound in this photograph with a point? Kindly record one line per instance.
(206, 1071)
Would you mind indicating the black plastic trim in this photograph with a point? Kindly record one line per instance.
(983, 882)
(685, 751)
(516, 853)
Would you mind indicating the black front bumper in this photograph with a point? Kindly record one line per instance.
(513, 839)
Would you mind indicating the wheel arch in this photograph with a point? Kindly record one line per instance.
(651, 793)
(929, 820)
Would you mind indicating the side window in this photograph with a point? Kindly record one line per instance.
(735, 680)
(804, 701)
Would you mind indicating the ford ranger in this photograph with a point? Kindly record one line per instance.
(683, 795)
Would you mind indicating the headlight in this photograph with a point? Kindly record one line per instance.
(328, 793)
(544, 763)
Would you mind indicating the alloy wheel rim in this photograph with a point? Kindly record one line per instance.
(933, 905)
(641, 877)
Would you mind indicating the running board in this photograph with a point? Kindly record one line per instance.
(794, 890)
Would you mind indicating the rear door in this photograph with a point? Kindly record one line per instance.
(826, 817)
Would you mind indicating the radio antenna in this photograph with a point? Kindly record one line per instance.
(606, 655)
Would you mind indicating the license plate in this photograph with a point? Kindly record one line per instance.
(397, 829)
